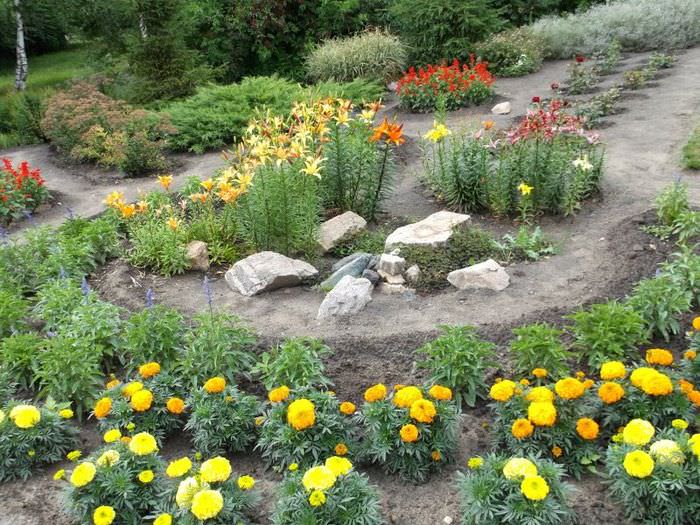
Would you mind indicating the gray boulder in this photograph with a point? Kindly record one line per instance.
(488, 274)
(348, 297)
(353, 268)
(265, 271)
(198, 256)
(435, 230)
(338, 229)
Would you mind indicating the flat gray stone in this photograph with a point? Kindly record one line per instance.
(354, 268)
(338, 229)
(347, 259)
(488, 274)
(349, 296)
(265, 271)
(391, 278)
(501, 109)
(371, 276)
(198, 256)
(413, 274)
(435, 230)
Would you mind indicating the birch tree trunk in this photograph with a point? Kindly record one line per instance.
(22, 64)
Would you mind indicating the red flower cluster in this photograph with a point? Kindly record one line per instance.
(458, 84)
(20, 190)
(546, 121)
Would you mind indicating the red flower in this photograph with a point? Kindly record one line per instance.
(580, 58)
(535, 100)
(554, 86)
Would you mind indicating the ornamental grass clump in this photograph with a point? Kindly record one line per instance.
(120, 482)
(549, 420)
(32, 435)
(329, 493)
(305, 425)
(221, 420)
(210, 492)
(500, 490)
(151, 401)
(654, 473)
(411, 433)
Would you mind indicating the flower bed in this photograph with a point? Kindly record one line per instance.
(22, 191)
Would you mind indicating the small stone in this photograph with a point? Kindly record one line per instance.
(391, 278)
(353, 268)
(265, 271)
(348, 297)
(371, 276)
(338, 229)
(501, 109)
(198, 256)
(413, 274)
(447, 520)
(488, 274)
(435, 230)
(348, 259)
(391, 289)
(391, 264)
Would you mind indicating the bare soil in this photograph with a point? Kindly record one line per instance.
(603, 252)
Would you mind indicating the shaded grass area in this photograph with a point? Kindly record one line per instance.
(691, 151)
(45, 70)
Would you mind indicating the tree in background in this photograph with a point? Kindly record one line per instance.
(22, 68)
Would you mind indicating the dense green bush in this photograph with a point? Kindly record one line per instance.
(374, 55)
(512, 53)
(18, 354)
(153, 334)
(295, 363)
(539, 345)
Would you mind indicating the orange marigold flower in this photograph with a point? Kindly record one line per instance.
(278, 394)
(142, 400)
(690, 355)
(347, 408)
(435, 455)
(103, 407)
(686, 386)
(341, 449)
(375, 393)
(557, 451)
(610, 393)
(587, 428)
(423, 411)
(409, 433)
(569, 388)
(149, 370)
(522, 428)
(694, 397)
(588, 383)
(215, 385)
(175, 405)
(658, 356)
(405, 397)
(441, 393)
(540, 373)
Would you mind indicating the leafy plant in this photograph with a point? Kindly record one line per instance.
(599, 106)
(18, 354)
(661, 301)
(635, 79)
(660, 61)
(511, 53)
(526, 245)
(459, 359)
(582, 78)
(153, 334)
(22, 191)
(684, 269)
(607, 61)
(13, 311)
(539, 345)
(691, 151)
(296, 363)
(607, 332)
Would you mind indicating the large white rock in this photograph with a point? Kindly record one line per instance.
(434, 230)
(338, 229)
(501, 109)
(488, 274)
(198, 256)
(391, 264)
(265, 271)
(348, 297)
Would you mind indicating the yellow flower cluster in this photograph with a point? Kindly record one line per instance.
(533, 486)
(301, 414)
(319, 479)
(651, 381)
(25, 416)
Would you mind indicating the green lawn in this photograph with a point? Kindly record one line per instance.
(691, 151)
(46, 70)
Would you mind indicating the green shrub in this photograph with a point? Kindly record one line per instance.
(582, 78)
(691, 151)
(599, 106)
(295, 363)
(635, 79)
(374, 55)
(153, 334)
(526, 245)
(459, 359)
(671, 203)
(156, 245)
(55, 301)
(512, 53)
(539, 345)
(18, 354)
(684, 269)
(608, 59)
(96, 323)
(13, 310)
(607, 332)
(661, 302)
(358, 90)
(436, 30)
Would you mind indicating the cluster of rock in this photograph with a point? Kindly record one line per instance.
(353, 279)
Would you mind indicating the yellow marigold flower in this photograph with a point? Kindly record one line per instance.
(522, 428)
(569, 388)
(278, 394)
(108, 458)
(259, 420)
(126, 440)
(178, 467)
(347, 408)
(341, 449)
(588, 383)
(301, 414)
(690, 355)
(667, 451)
(317, 498)
(534, 488)
(638, 432)
(517, 468)
(542, 413)
(25, 416)
(475, 463)
(146, 476)
(83, 474)
(143, 444)
(66, 413)
(503, 390)
(207, 504)
(163, 519)
(293, 467)
(436, 456)
(338, 465)
(540, 393)
(612, 370)
(175, 405)
(74, 455)
(694, 443)
(318, 478)
(557, 451)
(405, 397)
(580, 374)
(524, 381)
(215, 385)
(112, 435)
(657, 384)
(215, 470)
(375, 393)
(111, 384)
(658, 356)
(103, 515)
(441, 393)
(59, 474)
(641, 374)
(142, 400)
(409, 433)
(540, 373)
(130, 389)
(617, 438)
(587, 428)
(246, 482)
(149, 370)
(638, 464)
(610, 393)
(423, 411)
(165, 181)
(186, 490)
(696, 323)
(679, 424)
